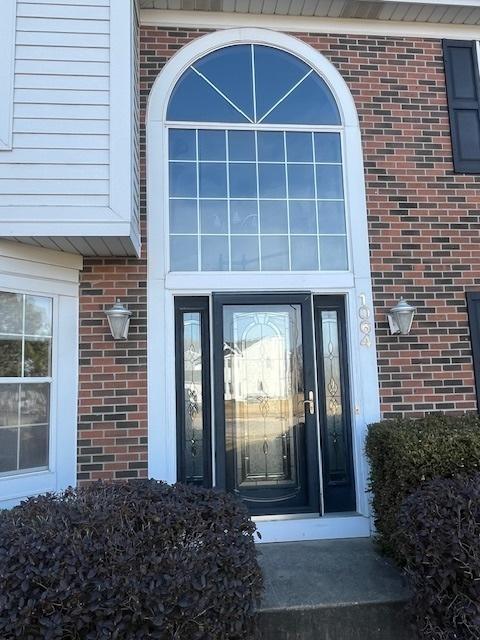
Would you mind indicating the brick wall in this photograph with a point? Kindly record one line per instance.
(423, 223)
(113, 380)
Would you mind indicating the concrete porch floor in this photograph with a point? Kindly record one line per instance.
(331, 590)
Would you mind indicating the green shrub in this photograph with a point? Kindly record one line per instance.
(439, 537)
(405, 453)
(136, 561)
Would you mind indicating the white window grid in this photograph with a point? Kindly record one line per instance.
(284, 129)
(30, 380)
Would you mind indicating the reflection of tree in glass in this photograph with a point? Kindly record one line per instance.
(11, 312)
(9, 404)
(10, 357)
(35, 403)
(38, 316)
(37, 358)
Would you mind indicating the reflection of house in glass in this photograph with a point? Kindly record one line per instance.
(334, 417)
(263, 393)
(193, 413)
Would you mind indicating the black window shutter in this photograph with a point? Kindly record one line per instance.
(463, 93)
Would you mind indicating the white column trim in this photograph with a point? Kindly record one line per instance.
(121, 116)
(8, 15)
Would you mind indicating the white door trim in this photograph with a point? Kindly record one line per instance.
(162, 285)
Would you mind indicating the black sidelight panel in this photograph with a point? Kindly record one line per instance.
(473, 302)
(192, 364)
(334, 404)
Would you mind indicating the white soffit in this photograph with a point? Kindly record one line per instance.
(439, 18)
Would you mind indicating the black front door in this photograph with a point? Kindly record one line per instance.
(265, 418)
(280, 395)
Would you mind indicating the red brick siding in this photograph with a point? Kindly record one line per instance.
(423, 223)
(113, 381)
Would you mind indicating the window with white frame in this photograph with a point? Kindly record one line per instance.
(25, 381)
(255, 165)
(38, 370)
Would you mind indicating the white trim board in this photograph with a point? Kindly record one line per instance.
(446, 3)
(45, 270)
(8, 14)
(83, 225)
(297, 24)
(18, 251)
(121, 114)
(327, 527)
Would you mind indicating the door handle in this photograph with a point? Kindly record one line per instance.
(310, 402)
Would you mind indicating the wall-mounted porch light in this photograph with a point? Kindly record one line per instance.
(118, 320)
(400, 318)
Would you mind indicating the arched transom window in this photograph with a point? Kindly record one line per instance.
(255, 165)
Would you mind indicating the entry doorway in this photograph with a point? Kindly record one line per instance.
(263, 400)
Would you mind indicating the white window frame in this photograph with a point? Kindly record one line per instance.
(8, 14)
(50, 379)
(54, 275)
(355, 284)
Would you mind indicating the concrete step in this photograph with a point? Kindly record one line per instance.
(331, 590)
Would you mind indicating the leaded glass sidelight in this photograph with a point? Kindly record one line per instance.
(266, 194)
(193, 400)
(193, 414)
(335, 427)
(335, 414)
(25, 381)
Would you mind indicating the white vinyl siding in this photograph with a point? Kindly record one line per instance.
(70, 158)
(61, 104)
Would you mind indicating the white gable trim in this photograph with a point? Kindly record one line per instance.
(8, 12)
(297, 24)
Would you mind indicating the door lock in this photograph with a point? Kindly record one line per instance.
(310, 402)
